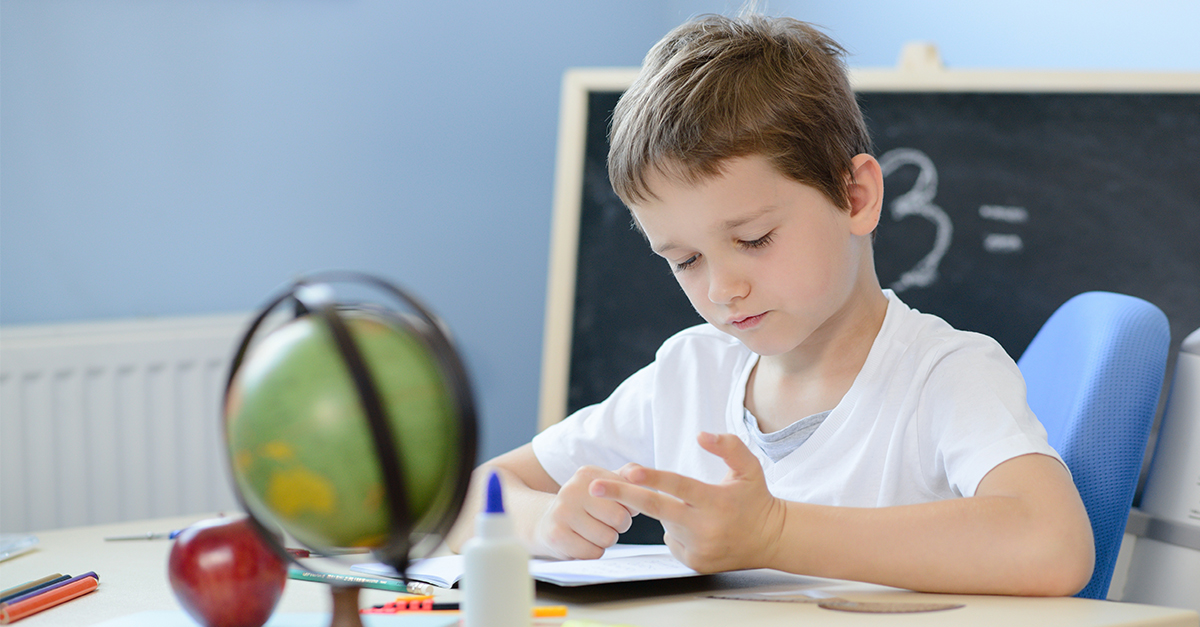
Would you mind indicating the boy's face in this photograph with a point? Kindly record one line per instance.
(759, 255)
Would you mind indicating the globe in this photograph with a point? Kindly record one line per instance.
(351, 424)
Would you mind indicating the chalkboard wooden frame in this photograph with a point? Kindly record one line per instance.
(919, 70)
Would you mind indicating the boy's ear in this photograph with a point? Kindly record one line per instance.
(865, 189)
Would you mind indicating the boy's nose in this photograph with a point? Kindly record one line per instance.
(726, 284)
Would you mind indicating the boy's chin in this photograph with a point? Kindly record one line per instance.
(769, 351)
(763, 346)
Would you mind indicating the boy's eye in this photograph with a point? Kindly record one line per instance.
(760, 242)
(687, 263)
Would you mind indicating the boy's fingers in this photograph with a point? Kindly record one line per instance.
(731, 449)
(611, 513)
(579, 547)
(676, 547)
(596, 532)
(567, 542)
(684, 488)
(649, 502)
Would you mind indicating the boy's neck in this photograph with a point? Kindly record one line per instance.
(817, 374)
(840, 344)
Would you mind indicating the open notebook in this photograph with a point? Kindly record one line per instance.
(622, 562)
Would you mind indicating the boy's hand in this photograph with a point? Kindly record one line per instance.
(577, 525)
(728, 526)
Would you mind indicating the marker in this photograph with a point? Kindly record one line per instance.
(153, 535)
(428, 605)
(38, 600)
(404, 604)
(352, 580)
(30, 586)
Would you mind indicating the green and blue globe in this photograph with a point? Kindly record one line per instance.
(301, 446)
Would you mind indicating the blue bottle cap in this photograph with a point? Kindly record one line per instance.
(495, 498)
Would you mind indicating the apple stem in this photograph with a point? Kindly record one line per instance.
(345, 607)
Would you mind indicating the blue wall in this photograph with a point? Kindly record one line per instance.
(176, 158)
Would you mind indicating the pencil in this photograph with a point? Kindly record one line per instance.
(66, 579)
(347, 580)
(35, 602)
(25, 588)
(418, 587)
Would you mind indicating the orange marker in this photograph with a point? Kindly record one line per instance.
(34, 602)
(426, 604)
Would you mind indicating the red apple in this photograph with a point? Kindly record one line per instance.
(224, 574)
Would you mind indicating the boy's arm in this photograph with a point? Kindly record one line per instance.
(1024, 532)
(551, 520)
(524, 483)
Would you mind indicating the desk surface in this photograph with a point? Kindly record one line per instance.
(133, 578)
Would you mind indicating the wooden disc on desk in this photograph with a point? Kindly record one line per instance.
(777, 598)
(874, 607)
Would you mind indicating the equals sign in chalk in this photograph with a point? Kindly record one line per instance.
(1001, 243)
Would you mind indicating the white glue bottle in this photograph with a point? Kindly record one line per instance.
(497, 590)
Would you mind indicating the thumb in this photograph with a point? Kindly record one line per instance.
(730, 448)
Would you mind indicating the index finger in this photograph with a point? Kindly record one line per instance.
(654, 504)
(586, 475)
(684, 488)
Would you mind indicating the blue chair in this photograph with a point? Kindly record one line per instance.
(1094, 374)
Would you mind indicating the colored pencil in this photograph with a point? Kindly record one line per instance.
(36, 584)
(34, 602)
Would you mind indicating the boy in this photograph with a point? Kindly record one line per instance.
(815, 424)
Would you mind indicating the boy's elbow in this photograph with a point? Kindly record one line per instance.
(1067, 577)
(1080, 572)
(1077, 558)
(1065, 568)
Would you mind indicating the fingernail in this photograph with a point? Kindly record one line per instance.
(596, 489)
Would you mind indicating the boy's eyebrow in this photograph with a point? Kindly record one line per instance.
(728, 225)
(662, 250)
(736, 222)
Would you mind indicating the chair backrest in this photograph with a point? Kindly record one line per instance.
(1094, 374)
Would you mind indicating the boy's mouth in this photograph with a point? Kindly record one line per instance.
(748, 322)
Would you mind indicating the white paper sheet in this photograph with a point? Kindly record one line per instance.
(622, 562)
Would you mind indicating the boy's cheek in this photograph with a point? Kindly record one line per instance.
(697, 295)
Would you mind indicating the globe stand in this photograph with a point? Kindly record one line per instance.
(345, 607)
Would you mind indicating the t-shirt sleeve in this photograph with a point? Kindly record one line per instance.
(978, 415)
(608, 434)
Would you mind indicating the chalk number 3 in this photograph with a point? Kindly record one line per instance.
(918, 201)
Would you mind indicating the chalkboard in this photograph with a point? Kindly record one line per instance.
(1082, 182)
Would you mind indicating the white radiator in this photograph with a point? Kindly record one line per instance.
(112, 421)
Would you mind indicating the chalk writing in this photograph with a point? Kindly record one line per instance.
(918, 201)
(1001, 243)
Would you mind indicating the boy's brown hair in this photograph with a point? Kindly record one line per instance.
(716, 88)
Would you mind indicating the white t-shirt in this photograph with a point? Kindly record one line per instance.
(931, 412)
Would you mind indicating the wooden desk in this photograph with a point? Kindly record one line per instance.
(133, 578)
